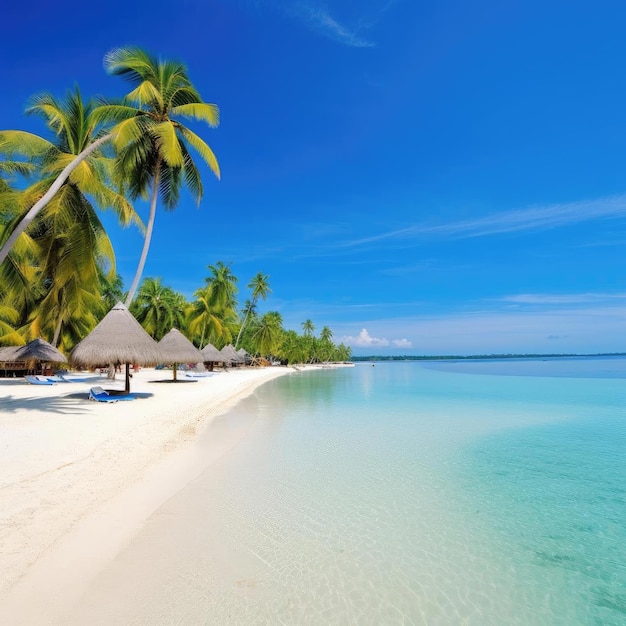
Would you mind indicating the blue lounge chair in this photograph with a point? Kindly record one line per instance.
(56, 379)
(102, 395)
(38, 380)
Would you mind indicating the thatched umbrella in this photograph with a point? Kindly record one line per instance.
(245, 355)
(118, 338)
(231, 354)
(211, 355)
(35, 350)
(176, 348)
(8, 353)
(39, 350)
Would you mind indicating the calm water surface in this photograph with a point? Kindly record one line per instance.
(405, 493)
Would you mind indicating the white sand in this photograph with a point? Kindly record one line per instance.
(78, 478)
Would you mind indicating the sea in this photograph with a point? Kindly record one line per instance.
(487, 492)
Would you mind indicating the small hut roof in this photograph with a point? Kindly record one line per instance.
(8, 353)
(211, 354)
(119, 337)
(35, 350)
(39, 350)
(231, 353)
(176, 348)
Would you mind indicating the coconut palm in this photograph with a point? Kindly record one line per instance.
(158, 308)
(268, 333)
(157, 161)
(325, 343)
(206, 322)
(83, 142)
(66, 242)
(222, 286)
(260, 289)
(308, 328)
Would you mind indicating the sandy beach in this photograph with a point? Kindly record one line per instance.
(78, 478)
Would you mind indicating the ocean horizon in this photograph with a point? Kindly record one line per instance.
(474, 492)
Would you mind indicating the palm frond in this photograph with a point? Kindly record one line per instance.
(202, 148)
(146, 94)
(192, 175)
(133, 64)
(168, 143)
(20, 142)
(202, 111)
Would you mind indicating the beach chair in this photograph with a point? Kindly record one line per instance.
(102, 395)
(38, 380)
(56, 379)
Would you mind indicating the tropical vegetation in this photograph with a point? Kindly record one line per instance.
(57, 263)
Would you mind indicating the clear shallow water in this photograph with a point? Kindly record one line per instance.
(397, 494)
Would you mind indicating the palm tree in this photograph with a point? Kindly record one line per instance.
(206, 322)
(260, 289)
(268, 333)
(326, 344)
(67, 242)
(222, 286)
(308, 328)
(59, 166)
(157, 161)
(158, 308)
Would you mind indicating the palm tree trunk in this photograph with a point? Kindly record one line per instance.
(43, 201)
(148, 237)
(57, 331)
(245, 319)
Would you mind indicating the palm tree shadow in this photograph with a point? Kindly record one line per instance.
(72, 404)
(69, 404)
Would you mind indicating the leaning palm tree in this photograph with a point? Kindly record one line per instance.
(91, 137)
(260, 289)
(69, 245)
(157, 162)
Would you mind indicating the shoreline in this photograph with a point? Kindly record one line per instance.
(79, 478)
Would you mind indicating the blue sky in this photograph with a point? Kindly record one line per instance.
(422, 177)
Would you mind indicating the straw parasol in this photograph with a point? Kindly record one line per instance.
(39, 350)
(210, 354)
(118, 338)
(36, 350)
(230, 354)
(176, 348)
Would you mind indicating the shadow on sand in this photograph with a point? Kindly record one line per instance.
(68, 404)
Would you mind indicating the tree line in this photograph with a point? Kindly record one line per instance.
(57, 264)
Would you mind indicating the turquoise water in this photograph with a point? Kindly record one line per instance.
(405, 493)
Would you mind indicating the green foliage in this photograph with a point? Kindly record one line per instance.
(159, 308)
(58, 278)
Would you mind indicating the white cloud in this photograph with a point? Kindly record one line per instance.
(365, 340)
(402, 343)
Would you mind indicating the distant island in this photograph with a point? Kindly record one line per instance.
(379, 357)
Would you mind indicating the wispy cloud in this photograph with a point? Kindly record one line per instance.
(529, 219)
(320, 20)
(552, 299)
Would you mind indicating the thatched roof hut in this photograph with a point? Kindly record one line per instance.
(230, 355)
(22, 357)
(210, 354)
(176, 348)
(39, 350)
(118, 338)
(245, 355)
